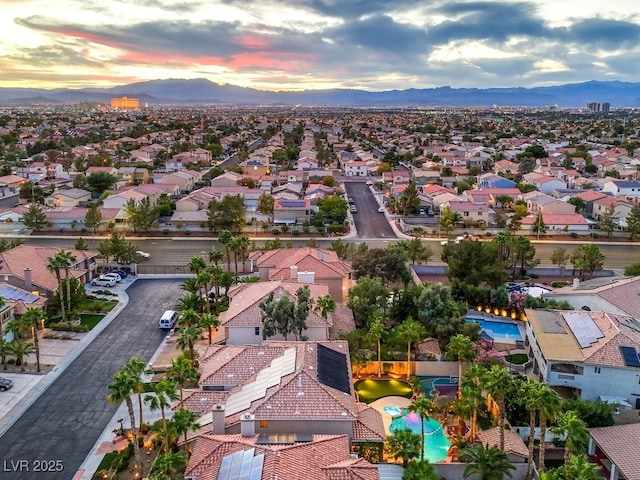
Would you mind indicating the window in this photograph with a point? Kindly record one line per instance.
(256, 331)
(597, 369)
(264, 423)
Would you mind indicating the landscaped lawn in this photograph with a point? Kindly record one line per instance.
(90, 305)
(371, 389)
(91, 319)
(517, 358)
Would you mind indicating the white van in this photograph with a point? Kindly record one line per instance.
(168, 320)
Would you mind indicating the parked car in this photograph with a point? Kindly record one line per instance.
(381, 209)
(103, 282)
(369, 182)
(113, 275)
(142, 254)
(122, 274)
(5, 384)
(353, 209)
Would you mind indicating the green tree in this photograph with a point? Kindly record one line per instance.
(167, 466)
(19, 349)
(54, 264)
(325, 305)
(579, 203)
(366, 296)
(475, 263)
(560, 257)
(498, 382)
(539, 226)
(461, 349)
(408, 199)
(421, 470)
(404, 445)
(472, 381)
(529, 393)
(81, 244)
(187, 339)
(66, 261)
(121, 389)
(489, 463)
(32, 318)
(577, 434)
(449, 220)
(415, 250)
(411, 332)
(224, 238)
(423, 407)
(265, 203)
(388, 264)
(333, 208)
(182, 372)
(579, 468)
(504, 200)
(93, 218)
(184, 421)
(548, 407)
(35, 217)
(587, 258)
(226, 214)
(117, 248)
(210, 322)
(633, 221)
(162, 396)
(608, 220)
(99, 182)
(375, 332)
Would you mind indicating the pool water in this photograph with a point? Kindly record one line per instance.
(498, 331)
(443, 385)
(436, 444)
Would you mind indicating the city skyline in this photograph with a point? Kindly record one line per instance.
(316, 44)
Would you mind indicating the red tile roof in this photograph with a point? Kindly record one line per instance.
(620, 445)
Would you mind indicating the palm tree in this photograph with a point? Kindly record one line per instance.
(465, 406)
(31, 319)
(136, 368)
(404, 444)
(529, 392)
(161, 397)
(196, 265)
(234, 246)
(489, 463)
(168, 465)
(67, 259)
(188, 317)
(375, 332)
(54, 265)
(210, 322)
(579, 468)
(184, 421)
(191, 301)
(498, 382)
(422, 406)
(187, 338)
(324, 306)
(182, 372)
(20, 349)
(224, 237)
(190, 285)
(204, 279)
(421, 470)
(4, 349)
(549, 407)
(121, 389)
(577, 434)
(411, 331)
(460, 348)
(215, 256)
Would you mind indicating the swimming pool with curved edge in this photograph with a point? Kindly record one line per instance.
(436, 444)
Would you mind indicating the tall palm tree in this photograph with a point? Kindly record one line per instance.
(67, 259)
(423, 407)
(196, 265)
(498, 382)
(215, 256)
(224, 237)
(473, 378)
(234, 246)
(204, 279)
(121, 390)
(375, 332)
(549, 407)
(421, 470)
(19, 349)
(465, 406)
(136, 368)
(460, 348)
(529, 392)
(575, 429)
(188, 317)
(55, 265)
(579, 468)
(489, 463)
(184, 421)
(31, 319)
(168, 466)
(412, 332)
(187, 338)
(182, 372)
(4, 349)
(161, 397)
(191, 301)
(324, 306)
(190, 285)
(404, 444)
(210, 322)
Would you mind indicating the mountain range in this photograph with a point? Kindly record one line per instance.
(202, 91)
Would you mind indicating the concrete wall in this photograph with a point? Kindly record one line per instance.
(421, 369)
(453, 471)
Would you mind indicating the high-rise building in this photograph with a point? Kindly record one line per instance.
(593, 106)
(606, 106)
(125, 103)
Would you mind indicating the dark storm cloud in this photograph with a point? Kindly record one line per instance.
(604, 33)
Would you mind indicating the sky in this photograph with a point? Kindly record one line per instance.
(372, 45)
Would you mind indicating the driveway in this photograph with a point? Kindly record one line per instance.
(63, 424)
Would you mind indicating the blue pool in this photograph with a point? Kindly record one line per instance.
(444, 385)
(436, 444)
(499, 331)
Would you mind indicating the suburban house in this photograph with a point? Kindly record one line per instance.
(491, 180)
(226, 179)
(618, 206)
(543, 183)
(325, 265)
(25, 267)
(557, 223)
(472, 214)
(357, 168)
(629, 189)
(612, 450)
(291, 212)
(541, 202)
(588, 354)
(242, 323)
(133, 175)
(281, 393)
(16, 302)
(71, 197)
(184, 179)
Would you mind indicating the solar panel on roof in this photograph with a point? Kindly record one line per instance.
(583, 328)
(332, 369)
(630, 356)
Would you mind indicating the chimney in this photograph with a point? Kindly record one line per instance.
(217, 420)
(576, 282)
(28, 283)
(307, 277)
(293, 271)
(247, 425)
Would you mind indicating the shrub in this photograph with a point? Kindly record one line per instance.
(295, 233)
(573, 235)
(187, 232)
(276, 231)
(165, 231)
(68, 327)
(559, 284)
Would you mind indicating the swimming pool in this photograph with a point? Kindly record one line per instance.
(444, 385)
(436, 444)
(498, 331)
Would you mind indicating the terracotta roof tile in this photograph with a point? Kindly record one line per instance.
(368, 426)
(512, 441)
(620, 444)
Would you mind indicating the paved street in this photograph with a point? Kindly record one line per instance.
(66, 420)
(369, 222)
